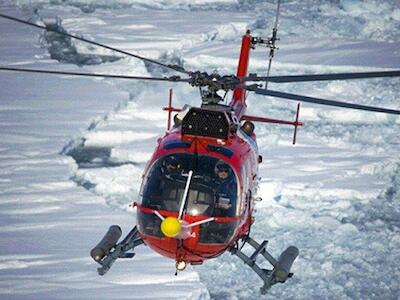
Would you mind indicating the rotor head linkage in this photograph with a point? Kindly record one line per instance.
(210, 84)
(214, 81)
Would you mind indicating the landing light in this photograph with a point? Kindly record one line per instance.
(180, 265)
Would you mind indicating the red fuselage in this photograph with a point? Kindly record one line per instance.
(244, 163)
(237, 149)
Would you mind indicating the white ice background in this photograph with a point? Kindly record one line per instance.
(335, 195)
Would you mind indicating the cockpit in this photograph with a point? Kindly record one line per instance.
(212, 188)
(212, 192)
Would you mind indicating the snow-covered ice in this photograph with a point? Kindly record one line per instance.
(72, 149)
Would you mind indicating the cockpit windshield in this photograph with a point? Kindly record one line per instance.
(212, 190)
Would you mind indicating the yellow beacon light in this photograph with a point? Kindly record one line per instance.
(170, 227)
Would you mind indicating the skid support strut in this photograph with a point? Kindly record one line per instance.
(108, 251)
(281, 267)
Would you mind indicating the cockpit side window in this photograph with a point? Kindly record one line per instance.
(212, 192)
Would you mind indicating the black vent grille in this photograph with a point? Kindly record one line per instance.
(206, 123)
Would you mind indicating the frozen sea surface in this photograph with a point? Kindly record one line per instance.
(73, 150)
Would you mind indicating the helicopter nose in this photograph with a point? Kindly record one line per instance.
(171, 227)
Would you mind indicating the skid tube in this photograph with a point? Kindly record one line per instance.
(108, 251)
(281, 267)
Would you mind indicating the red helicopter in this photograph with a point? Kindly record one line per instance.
(199, 188)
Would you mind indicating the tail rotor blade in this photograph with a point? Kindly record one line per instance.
(272, 41)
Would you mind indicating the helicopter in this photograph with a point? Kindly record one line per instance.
(183, 213)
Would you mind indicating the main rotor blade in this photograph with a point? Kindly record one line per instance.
(173, 78)
(172, 67)
(301, 98)
(322, 77)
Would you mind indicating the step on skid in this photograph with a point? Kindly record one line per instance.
(281, 267)
(108, 251)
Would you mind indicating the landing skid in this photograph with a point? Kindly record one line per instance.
(281, 267)
(108, 251)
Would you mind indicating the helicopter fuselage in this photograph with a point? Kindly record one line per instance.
(200, 154)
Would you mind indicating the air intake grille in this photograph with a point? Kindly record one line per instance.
(206, 123)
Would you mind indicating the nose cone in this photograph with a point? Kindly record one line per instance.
(170, 227)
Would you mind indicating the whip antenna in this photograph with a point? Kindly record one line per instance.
(272, 40)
